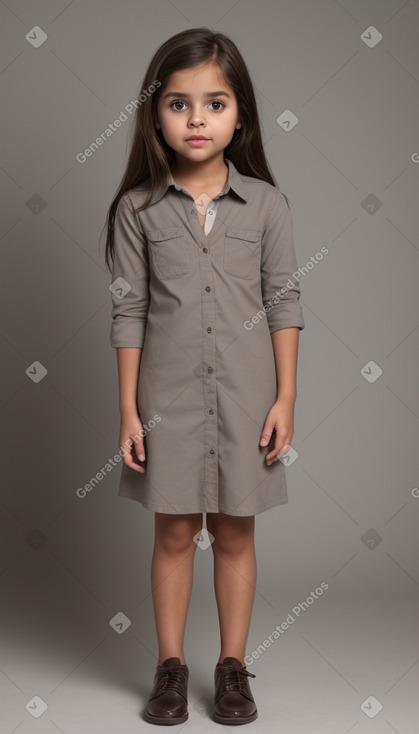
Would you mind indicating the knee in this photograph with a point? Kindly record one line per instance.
(230, 543)
(176, 535)
(232, 538)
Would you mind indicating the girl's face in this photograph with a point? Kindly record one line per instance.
(198, 101)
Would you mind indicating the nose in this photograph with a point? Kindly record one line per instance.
(196, 116)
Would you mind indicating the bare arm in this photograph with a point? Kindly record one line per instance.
(285, 345)
(281, 415)
(129, 360)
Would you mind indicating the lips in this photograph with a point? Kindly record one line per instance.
(197, 137)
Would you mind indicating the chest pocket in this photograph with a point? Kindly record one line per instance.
(242, 251)
(168, 248)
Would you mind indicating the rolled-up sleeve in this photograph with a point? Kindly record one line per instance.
(280, 289)
(130, 279)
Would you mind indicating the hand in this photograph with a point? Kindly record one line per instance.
(280, 417)
(135, 456)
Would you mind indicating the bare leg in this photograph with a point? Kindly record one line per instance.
(171, 579)
(235, 572)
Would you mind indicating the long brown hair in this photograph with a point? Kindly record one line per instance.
(151, 158)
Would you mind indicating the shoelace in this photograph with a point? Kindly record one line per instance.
(173, 679)
(231, 679)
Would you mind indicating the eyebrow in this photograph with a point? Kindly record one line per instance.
(186, 96)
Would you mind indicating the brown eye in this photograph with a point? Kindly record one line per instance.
(217, 101)
(177, 101)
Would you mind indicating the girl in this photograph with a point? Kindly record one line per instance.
(204, 298)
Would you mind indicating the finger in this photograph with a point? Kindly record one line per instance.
(278, 450)
(266, 434)
(137, 449)
(277, 443)
(138, 446)
(130, 461)
(133, 449)
(284, 450)
(277, 455)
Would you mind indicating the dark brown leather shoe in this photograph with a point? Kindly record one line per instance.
(168, 701)
(234, 703)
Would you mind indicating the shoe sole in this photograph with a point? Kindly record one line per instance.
(235, 720)
(164, 719)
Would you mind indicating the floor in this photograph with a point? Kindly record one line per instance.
(334, 667)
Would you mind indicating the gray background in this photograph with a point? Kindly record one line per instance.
(70, 564)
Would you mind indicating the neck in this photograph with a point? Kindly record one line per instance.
(201, 174)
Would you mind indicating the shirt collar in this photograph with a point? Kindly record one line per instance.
(234, 181)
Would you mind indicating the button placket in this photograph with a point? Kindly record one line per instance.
(211, 499)
(210, 385)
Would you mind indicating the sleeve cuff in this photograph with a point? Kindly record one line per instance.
(127, 333)
(285, 315)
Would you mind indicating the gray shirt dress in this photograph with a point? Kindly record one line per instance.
(202, 303)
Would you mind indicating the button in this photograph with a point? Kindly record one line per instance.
(211, 412)
(209, 369)
(208, 288)
(212, 451)
(192, 211)
(210, 212)
(209, 330)
(205, 249)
